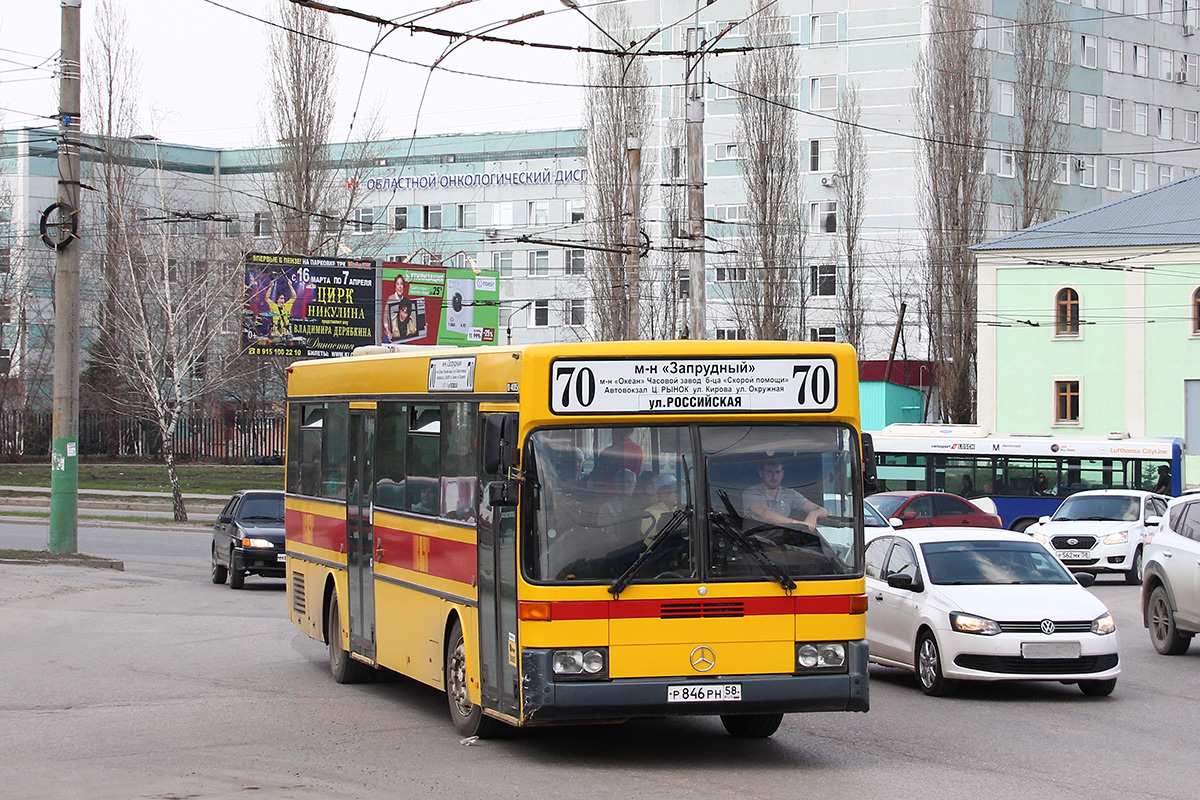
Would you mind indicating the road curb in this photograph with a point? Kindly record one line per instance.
(95, 563)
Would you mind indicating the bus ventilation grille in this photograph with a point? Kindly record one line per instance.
(733, 608)
(298, 604)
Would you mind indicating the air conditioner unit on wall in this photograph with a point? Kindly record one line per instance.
(827, 180)
(1188, 30)
(1181, 77)
(1077, 163)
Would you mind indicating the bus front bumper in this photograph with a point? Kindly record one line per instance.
(547, 700)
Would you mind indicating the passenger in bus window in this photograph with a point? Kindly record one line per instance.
(666, 500)
(1041, 486)
(1164, 480)
(620, 510)
(968, 486)
(772, 502)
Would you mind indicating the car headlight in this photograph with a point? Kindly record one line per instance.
(820, 655)
(966, 623)
(1039, 536)
(583, 663)
(1104, 624)
(250, 542)
(1120, 537)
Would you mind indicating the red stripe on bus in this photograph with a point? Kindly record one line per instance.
(441, 558)
(707, 609)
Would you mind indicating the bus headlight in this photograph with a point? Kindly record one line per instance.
(820, 655)
(583, 663)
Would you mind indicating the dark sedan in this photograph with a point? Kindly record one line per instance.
(248, 538)
(932, 509)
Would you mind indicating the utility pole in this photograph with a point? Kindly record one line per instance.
(694, 81)
(64, 453)
(633, 257)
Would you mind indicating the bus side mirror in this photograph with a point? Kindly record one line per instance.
(502, 493)
(870, 476)
(498, 434)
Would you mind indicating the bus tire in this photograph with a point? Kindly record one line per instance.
(468, 718)
(751, 726)
(343, 668)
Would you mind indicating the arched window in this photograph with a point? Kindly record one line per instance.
(1066, 313)
(1196, 312)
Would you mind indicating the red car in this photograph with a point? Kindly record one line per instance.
(932, 509)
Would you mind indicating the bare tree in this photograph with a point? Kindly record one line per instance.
(175, 287)
(851, 188)
(113, 108)
(1038, 129)
(301, 86)
(951, 108)
(666, 286)
(616, 108)
(769, 303)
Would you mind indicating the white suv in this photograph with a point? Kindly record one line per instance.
(1171, 589)
(1102, 530)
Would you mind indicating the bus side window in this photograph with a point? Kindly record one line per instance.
(422, 495)
(390, 451)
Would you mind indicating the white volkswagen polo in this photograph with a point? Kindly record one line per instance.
(955, 604)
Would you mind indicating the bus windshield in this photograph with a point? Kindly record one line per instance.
(691, 503)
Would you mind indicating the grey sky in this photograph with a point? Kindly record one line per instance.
(203, 72)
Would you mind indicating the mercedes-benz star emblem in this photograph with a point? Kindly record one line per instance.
(702, 659)
(1047, 626)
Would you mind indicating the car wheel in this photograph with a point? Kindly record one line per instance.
(1165, 637)
(468, 718)
(929, 668)
(218, 569)
(751, 726)
(1098, 688)
(344, 668)
(1136, 570)
(237, 577)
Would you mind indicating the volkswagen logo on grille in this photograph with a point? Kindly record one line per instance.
(702, 659)
(1072, 541)
(1047, 626)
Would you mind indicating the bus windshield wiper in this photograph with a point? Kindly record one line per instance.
(739, 538)
(680, 515)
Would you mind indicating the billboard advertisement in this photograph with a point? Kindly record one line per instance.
(439, 305)
(306, 306)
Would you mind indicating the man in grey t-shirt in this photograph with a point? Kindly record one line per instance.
(772, 502)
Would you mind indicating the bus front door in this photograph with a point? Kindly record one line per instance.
(360, 533)
(499, 653)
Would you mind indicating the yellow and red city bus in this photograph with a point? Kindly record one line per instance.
(592, 531)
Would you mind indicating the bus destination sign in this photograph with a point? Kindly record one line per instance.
(452, 374)
(693, 385)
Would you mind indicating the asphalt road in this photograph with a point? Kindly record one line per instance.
(154, 683)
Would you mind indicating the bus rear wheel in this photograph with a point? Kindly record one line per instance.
(751, 726)
(469, 719)
(344, 668)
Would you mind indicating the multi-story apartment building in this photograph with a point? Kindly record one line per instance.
(1130, 106)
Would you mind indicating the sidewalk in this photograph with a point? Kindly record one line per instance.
(152, 508)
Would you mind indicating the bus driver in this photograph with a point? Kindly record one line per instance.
(772, 502)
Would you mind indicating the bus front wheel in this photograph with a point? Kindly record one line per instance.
(468, 718)
(751, 726)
